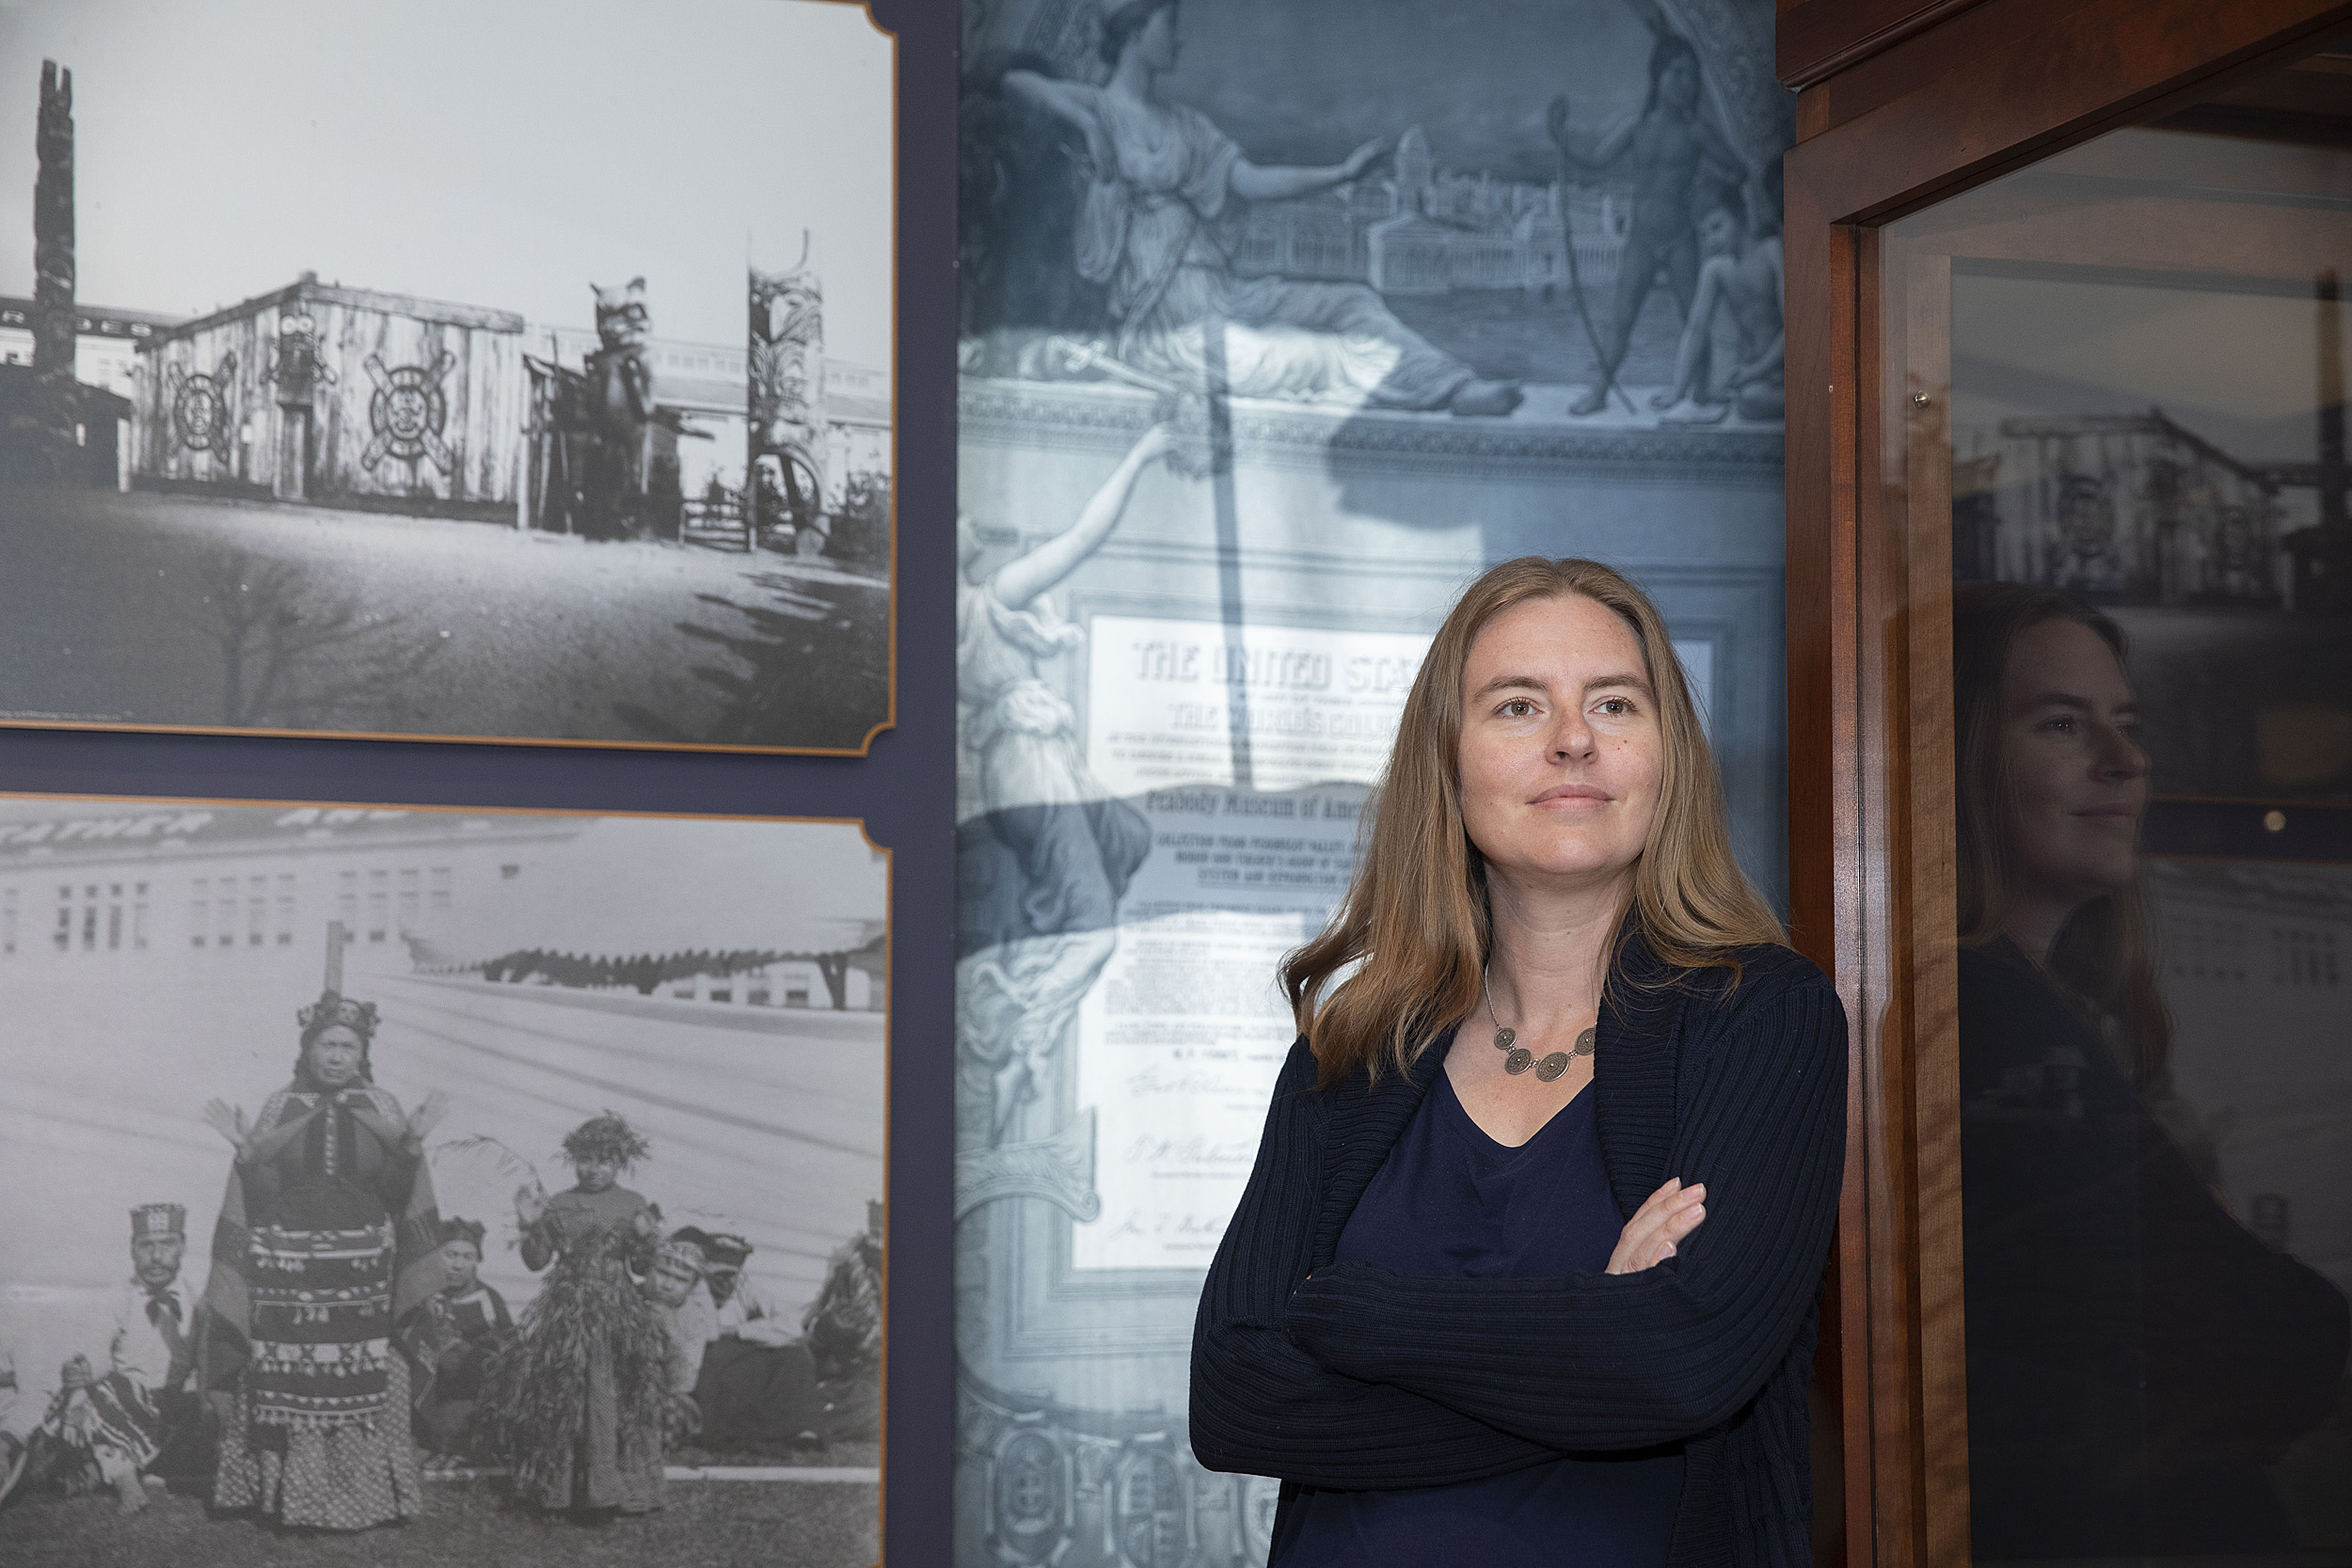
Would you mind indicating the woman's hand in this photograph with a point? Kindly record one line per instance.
(529, 1203)
(1363, 158)
(229, 1121)
(1669, 1214)
(427, 1116)
(1153, 444)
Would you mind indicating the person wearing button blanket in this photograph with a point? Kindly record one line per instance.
(1526, 1270)
(326, 1262)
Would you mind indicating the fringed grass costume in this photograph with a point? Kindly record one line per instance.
(325, 1264)
(577, 1401)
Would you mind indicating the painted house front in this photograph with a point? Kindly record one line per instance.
(343, 396)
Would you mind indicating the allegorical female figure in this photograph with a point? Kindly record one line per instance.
(577, 1401)
(325, 1264)
(2135, 1356)
(1155, 228)
(1042, 867)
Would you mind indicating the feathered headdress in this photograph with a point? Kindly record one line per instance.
(608, 1137)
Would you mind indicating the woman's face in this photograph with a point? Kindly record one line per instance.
(1159, 43)
(459, 1259)
(1561, 752)
(2077, 778)
(334, 1055)
(597, 1172)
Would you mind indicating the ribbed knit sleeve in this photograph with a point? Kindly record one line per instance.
(1602, 1361)
(1262, 1405)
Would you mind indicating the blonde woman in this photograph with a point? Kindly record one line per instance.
(1526, 1270)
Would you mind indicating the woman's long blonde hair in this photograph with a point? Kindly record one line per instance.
(1417, 918)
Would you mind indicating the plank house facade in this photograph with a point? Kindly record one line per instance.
(345, 396)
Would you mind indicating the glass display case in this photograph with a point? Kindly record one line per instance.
(2078, 683)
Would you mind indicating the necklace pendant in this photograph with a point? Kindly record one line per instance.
(1503, 1038)
(1553, 1066)
(1583, 1046)
(1519, 1061)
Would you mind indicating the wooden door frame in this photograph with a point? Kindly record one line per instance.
(1975, 92)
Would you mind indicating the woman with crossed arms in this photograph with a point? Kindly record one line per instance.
(1526, 1270)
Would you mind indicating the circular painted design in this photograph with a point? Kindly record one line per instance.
(406, 411)
(200, 413)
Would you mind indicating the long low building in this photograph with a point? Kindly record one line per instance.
(106, 342)
(705, 383)
(316, 391)
(358, 397)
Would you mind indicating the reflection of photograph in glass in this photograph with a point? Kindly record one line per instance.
(477, 394)
(604, 1097)
(2151, 650)
(2159, 452)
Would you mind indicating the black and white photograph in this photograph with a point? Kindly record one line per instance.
(507, 371)
(450, 1186)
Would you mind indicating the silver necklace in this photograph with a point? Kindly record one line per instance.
(1517, 1057)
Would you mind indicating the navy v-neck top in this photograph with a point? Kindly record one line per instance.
(1451, 1202)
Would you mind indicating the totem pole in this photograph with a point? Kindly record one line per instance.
(603, 448)
(785, 433)
(53, 227)
(620, 408)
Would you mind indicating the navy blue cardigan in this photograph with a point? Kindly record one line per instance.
(1359, 1379)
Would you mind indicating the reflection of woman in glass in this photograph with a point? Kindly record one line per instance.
(1165, 180)
(326, 1264)
(2135, 1356)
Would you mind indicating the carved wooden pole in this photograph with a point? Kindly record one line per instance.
(53, 226)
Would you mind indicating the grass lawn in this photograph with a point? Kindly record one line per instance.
(709, 1524)
(847, 1456)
